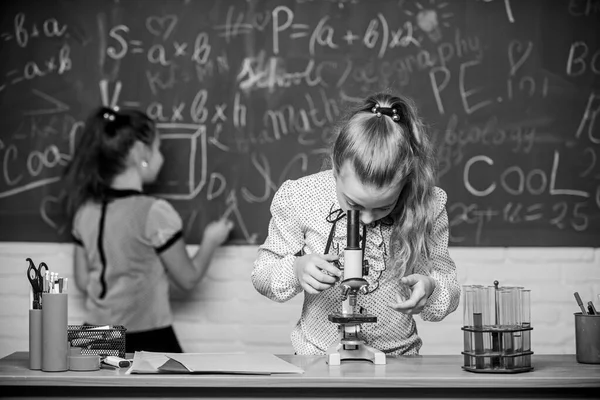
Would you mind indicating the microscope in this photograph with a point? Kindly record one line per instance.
(351, 346)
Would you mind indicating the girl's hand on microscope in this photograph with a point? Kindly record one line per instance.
(421, 287)
(316, 272)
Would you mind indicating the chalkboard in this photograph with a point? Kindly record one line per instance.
(246, 94)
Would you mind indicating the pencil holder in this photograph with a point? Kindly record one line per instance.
(587, 338)
(497, 329)
(35, 339)
(54, 332)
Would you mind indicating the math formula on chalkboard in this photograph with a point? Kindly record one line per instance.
(247, 94)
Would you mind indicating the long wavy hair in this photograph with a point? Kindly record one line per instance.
(385, 151)
(101, 153)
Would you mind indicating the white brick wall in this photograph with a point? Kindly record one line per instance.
(225, 313)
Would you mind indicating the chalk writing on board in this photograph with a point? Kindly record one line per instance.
(508, 9)
(247, 95)
(583, 8)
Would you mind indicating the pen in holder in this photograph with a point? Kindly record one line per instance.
(54, 332)
(497, 329)
(35, 339)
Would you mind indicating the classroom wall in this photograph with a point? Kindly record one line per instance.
(225, 313)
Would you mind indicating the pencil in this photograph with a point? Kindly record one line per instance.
(580, 303)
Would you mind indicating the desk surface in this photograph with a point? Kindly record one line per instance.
(418, 374)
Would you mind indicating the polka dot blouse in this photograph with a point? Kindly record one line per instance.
(299, 225)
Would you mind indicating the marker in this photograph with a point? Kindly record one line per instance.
(591, 308)
(116, 361)
(580, 303)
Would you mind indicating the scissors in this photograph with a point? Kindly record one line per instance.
(36, 279)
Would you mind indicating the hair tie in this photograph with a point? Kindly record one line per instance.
(109, 116)
(110, 126)
(390, 112)
(375, 110)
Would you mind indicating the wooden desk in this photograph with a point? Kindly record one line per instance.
(553, 376)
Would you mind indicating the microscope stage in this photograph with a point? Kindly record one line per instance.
(340, 318)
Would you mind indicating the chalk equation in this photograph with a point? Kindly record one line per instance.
(248, 94)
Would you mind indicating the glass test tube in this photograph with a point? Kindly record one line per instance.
(503, 320)
(496, 336)
(508, 302)
(468, 300)
(526, 323)
(517, 339)
(517, 336)
(488, 320)
(478, 314)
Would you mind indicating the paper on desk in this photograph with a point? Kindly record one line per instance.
(211, 363)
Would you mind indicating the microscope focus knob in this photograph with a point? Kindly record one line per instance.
(345, 291)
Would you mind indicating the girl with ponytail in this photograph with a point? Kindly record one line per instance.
(381, 164)
(129, 245)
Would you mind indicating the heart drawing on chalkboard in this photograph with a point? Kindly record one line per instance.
(51, 205)
(161, 26)
(261, 20)
(515, 49)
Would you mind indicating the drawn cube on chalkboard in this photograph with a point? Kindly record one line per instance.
(183, 174)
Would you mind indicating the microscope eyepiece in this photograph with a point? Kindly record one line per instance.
(353, 236)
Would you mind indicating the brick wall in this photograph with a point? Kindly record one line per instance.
(225, 313)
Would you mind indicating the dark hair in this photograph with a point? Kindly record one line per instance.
(101, 153)
(385, 142)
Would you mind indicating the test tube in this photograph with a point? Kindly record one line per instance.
(478, 314)
(508, 301)
(503, 320)
(526, 307)
(526, 323)
(489, 320)
(485, 305)
(493, 293)
(468, 300)
(517, 334)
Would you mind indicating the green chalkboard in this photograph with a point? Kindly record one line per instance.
(246, 95)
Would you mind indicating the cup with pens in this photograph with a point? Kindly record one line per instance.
(497, 329)
(48, 345)
(587, 332)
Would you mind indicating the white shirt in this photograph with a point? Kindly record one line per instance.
(299, 225)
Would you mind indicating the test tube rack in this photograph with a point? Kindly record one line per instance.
(497, 329)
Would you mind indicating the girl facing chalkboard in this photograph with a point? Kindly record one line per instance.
(129, 244)
(383, 166)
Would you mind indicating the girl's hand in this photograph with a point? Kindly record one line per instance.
(216, 232)
(421, 287)
(316, 272)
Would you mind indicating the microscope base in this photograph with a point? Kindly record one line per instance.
(336, 354)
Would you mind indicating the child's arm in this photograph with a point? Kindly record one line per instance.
(434, 288)
(187, 271)
(80, 268)
(273, 275)
(164, 232)
(446, 294)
